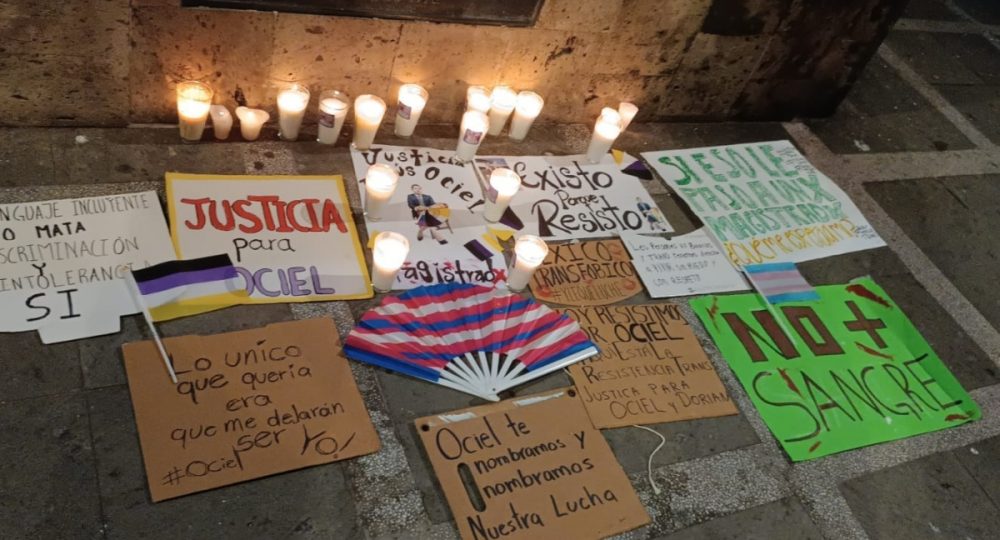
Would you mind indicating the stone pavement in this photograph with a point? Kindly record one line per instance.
(915, 145)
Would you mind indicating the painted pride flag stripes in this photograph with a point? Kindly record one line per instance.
(780, 282)
(471, 338)
(177, 289)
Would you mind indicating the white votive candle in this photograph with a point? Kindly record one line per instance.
(470, 135)
(529, 252)
(477, 98)
(194, 100)
(502, 103)
(388, 255)
(606, 130)
(368, 113)
(380, 183)
(412, 99)
(529, 105)
(333, 107)
(627, 111)
(222, 121)
(292, 103)
(504, 184)
(251, 120)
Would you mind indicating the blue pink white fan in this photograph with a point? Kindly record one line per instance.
(470, 338)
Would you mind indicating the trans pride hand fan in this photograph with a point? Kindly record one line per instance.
(469, 338)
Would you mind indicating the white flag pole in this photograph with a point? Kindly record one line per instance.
(134, 288)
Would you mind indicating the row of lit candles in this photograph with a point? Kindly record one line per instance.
(486, 113)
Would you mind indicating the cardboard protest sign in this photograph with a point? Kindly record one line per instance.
(567, 197)
(535, 467)
(851, 370)
(765, 202)
(651, 368)
(684, 265)
(62, 262)
(438, 206)
(589, 273)
(292, 238)
(248, 404)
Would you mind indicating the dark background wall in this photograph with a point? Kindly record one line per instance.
(114, 62)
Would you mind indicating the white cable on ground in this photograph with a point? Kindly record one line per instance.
(649, 462)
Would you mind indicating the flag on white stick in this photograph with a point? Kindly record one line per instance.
(181, 288)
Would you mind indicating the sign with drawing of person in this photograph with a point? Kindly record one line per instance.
(430, 215)
(437, 206)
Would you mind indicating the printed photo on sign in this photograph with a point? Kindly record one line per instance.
(532, 467)
(847, 371)
(595, 272)
(651, 368)
(438, 207)
(63, 262)
(765, 202)
(684, 265)
(567, 197)
(291, 238)
(246, 405)
(472, 137)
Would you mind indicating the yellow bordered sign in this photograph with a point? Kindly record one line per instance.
(290, 237)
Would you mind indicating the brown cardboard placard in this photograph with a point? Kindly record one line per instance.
(591, 273)
(651, 368)
(248, 404)
(539, 468)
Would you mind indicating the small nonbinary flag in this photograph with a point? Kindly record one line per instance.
(181, 288)
(780, 282)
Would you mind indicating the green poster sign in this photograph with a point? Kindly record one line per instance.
(846, 371)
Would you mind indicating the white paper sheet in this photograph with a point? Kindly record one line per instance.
(764, 202)
(567, 198)
(62, 262)
(684, 265)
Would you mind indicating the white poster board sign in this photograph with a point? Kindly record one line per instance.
(438, 207)
(684, 265)
(62, 262)
(764, 202)
(567, 197)
(291, 238)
